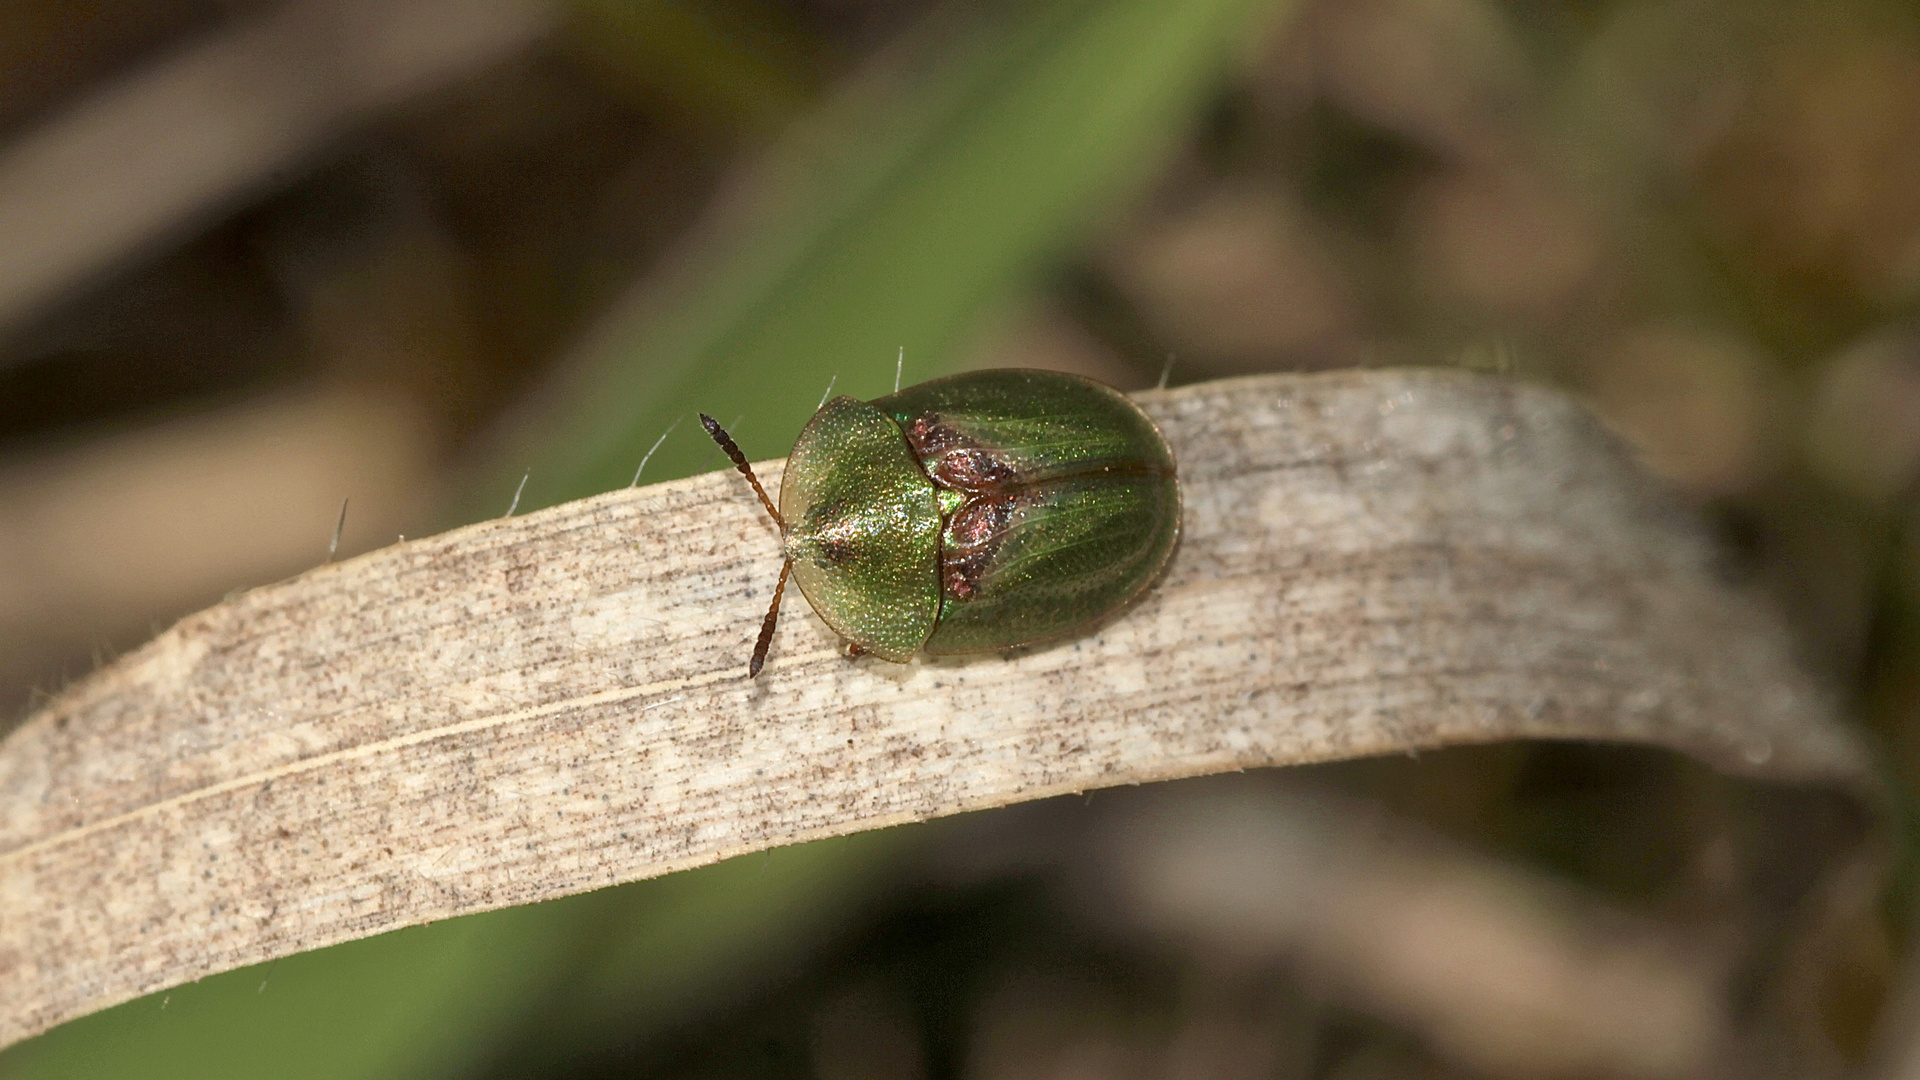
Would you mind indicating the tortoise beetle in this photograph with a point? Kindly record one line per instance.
(969, 514)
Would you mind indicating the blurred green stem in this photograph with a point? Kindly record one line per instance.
(944, 178)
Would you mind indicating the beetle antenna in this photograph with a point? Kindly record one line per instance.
(740, 462)
(899, 362)
(766, 628)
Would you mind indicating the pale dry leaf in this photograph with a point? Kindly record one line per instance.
(541, 705)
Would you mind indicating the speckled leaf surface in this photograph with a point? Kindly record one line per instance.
(531, 707)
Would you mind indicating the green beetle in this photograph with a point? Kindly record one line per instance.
(972, 513)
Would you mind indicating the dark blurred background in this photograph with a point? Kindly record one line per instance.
(257, 259)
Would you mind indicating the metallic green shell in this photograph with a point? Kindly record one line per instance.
(977, 512)
(1092, 506)
(863, 528)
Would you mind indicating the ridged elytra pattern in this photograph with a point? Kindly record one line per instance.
(1070, 498)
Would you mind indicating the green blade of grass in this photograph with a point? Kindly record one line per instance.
(939, 185)
(441, 1000)
(950, 175)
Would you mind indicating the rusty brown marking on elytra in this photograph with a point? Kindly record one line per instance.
(975, 529)
(971, 539)
(954, 460)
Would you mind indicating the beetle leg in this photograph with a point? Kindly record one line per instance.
(855, 650)
(766, 628)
